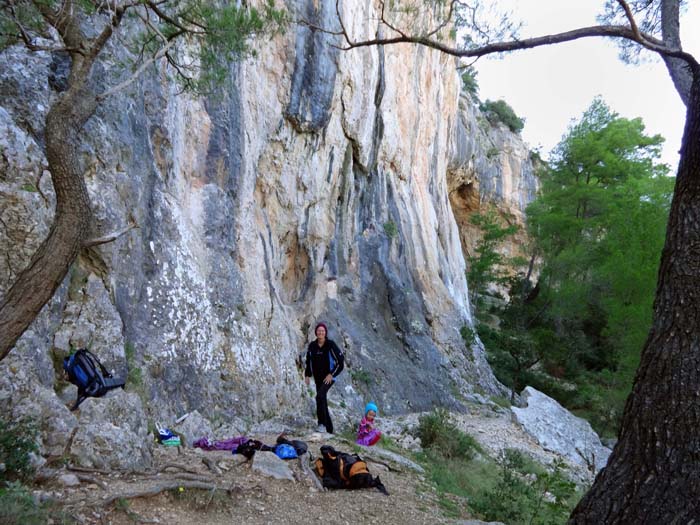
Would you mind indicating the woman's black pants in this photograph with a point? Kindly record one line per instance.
(324, 417)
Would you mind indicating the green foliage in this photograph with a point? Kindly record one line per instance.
(438, 433)
(514, 489)
(123, 505)
(17, 507)
(15, 14)
(135, 374)
(526, 495)
(227, 36)
(469, 82)
(468, 335)
(536, 157)
(488, 266)
(390, 229)
(389, 444)
(501, 401)
(464, 478)
(217, 33)
(513, 351)
(500, 111)
(598, 227)
(347, 433)
(17, 443)
(361, 376)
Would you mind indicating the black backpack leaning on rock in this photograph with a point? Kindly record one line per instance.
(86, 372)
(339, 470)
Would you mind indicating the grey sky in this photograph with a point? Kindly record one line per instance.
(551, 85)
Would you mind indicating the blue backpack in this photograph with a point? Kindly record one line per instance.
(86, 372)
(285, 451)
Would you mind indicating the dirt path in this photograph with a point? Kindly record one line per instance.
(246, 496)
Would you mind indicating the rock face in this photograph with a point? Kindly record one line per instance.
(489, 168)
(558, 430)
(316, 185)
(194, 427)
(112, 433)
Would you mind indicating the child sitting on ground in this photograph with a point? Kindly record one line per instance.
(367, 435)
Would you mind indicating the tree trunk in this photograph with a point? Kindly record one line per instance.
(36, 284)
(653, 475)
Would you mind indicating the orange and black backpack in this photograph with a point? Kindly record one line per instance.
(339, 470)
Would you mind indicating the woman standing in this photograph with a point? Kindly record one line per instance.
(324, 361)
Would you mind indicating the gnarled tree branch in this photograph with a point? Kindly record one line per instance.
(110, 237)
(665, 49)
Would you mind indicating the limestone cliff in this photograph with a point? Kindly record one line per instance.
(316, 185)
(489, 167)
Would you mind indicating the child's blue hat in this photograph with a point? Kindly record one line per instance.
(371, 406)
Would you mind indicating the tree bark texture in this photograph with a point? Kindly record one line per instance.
(653, 474)
(36, 284)
(671, 35)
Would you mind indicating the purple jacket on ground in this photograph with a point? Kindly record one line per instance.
(227, 444)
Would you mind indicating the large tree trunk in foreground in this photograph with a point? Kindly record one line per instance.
(37, 283)
(653, 475)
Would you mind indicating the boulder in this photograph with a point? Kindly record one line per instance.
(376, 452)
(558, 430)
(56, 422)
(69, 480)
(234, 426)
(113, 433)
(193, 427)
(268, 464)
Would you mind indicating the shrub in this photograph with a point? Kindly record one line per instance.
(527, 494)
(17, 442)
(469, 82)
(389, 444)
(390, 229)
(135, 374)
(500, 111)
(468, 335)
(17, 507)
(361, 376)
(501, 401)
(438, 433)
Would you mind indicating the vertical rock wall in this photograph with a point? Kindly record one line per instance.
(490, 167)
(312, 187)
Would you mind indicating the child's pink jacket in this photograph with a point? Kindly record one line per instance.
(366, 434)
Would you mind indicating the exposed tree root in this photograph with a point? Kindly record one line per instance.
(92, 479)
(178, 466)
(76, 468)
(157, 488)
(211, 465)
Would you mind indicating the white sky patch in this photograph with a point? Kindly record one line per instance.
(551, 85)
